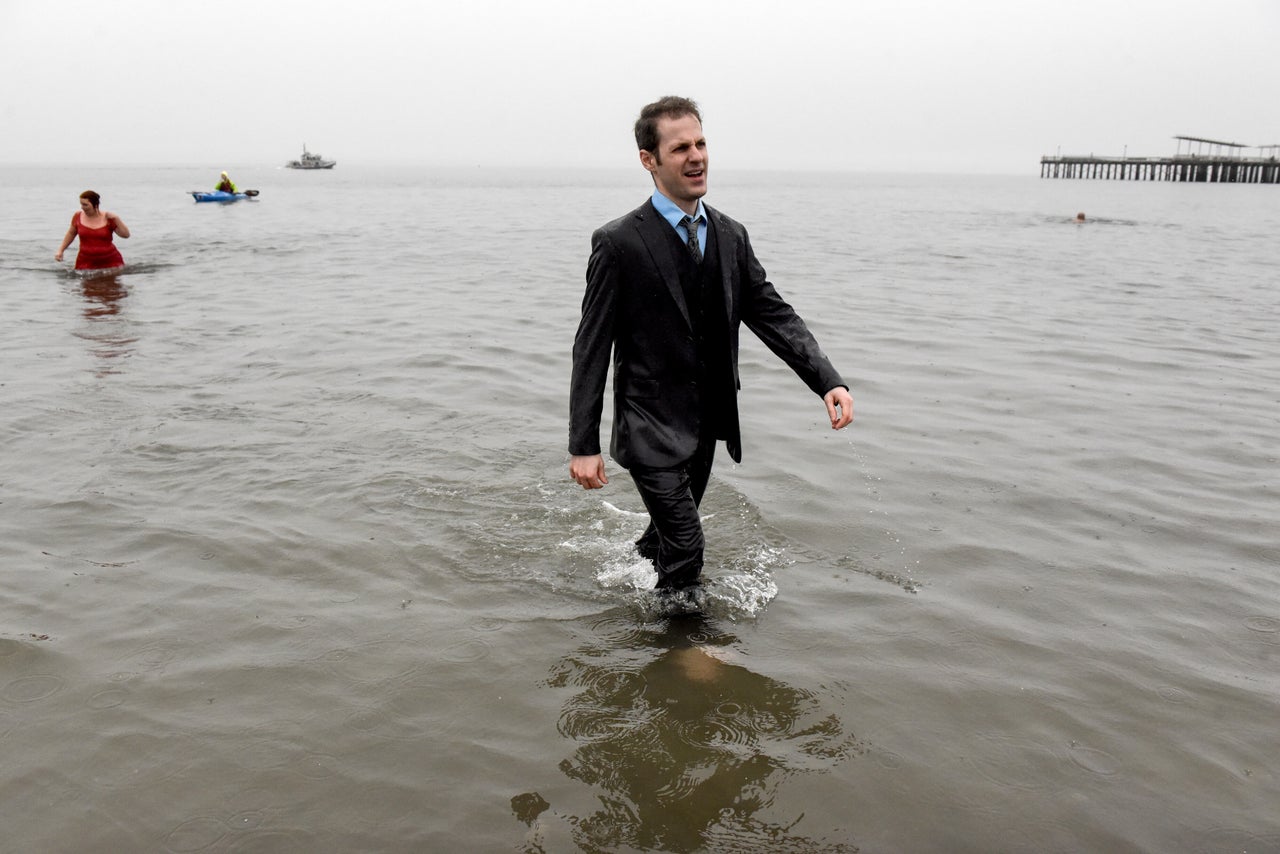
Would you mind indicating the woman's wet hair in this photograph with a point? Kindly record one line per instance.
(94, 198)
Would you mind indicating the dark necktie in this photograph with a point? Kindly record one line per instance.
(691, 227)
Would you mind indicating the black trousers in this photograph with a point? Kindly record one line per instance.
(673, 540)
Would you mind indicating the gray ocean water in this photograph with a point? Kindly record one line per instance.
(290, 561)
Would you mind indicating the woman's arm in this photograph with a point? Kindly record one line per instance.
(67, 238)
(117, 224)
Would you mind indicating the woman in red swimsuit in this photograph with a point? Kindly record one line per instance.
(94, 228)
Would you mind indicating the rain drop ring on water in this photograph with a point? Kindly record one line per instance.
(1263, 624)
(31, 689)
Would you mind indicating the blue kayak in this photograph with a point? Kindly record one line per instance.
(219, 196)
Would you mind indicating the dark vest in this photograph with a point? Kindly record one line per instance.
(704, 295)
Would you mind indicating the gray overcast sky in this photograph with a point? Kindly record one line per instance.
(898, 85)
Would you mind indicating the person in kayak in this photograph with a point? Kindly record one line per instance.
(226, 185)
(95, 228)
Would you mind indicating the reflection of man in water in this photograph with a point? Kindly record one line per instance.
(686, 748)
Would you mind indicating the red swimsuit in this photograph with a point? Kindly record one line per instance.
(97, 252)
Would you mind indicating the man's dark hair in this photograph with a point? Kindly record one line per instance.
(670, 107)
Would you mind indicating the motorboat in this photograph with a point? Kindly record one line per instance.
(310, 161)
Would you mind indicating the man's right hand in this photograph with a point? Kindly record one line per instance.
(588, 471)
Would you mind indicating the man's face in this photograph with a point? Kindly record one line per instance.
(679, 165)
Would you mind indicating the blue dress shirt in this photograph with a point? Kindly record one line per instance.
(672, 214)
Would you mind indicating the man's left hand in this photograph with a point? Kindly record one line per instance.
(839, 407)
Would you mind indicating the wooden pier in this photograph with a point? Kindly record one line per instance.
(1224, 163)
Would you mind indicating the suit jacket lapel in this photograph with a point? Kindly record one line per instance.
(653, 231)
(725, 250)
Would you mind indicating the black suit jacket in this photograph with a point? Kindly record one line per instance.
(634, 306)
